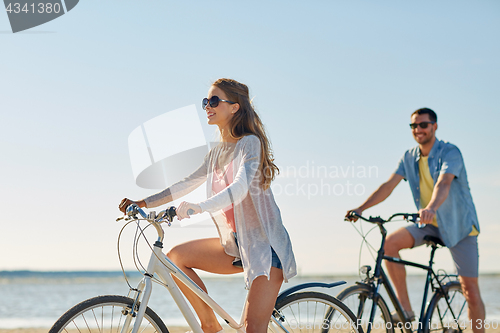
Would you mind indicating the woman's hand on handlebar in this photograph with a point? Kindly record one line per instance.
(185, 209)
(127, 202)
(349, 217)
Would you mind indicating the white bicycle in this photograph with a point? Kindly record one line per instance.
(294, 311)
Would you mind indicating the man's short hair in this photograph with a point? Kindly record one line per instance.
(432, 115)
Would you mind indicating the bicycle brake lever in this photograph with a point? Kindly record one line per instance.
(413, 218)
(125, 218)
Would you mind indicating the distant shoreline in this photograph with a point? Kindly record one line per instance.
(133, 273)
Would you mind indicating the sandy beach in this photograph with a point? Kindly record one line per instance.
(172, 329)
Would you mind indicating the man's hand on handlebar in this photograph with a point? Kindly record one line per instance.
(185, 209)
(349, 217)
(127, 202)
(426, 215)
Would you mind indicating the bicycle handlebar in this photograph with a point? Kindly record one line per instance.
(377, 219)
(166, 215)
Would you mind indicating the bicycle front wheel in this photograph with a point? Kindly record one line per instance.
(106, 314)
(443, 319)
(358, 299)
(314, 312)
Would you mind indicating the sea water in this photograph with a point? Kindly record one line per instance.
(37, 299)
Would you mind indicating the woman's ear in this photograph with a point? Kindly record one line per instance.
(235, 107)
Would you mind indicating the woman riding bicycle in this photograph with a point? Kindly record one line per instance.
(238, 172)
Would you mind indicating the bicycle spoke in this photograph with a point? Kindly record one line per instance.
(358, 300)
(298, 310)
(446, 311)
(311, 312)
(77, 327)
(96, 321)
(315, 309)
(106, 314)
(85, 320)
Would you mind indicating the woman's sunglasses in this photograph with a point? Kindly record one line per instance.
(423, 124)
(213, 102)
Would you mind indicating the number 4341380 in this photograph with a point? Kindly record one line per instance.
(40, 8)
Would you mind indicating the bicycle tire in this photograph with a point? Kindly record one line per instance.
(439, 318)
(104, 314)
(308, 311)
(359, 299)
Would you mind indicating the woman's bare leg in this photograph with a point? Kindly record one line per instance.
(261, 299)
(207, 255)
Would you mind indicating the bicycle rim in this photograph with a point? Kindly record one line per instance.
(357, 299)
(451, 319)
(315, 312)
(106, 314)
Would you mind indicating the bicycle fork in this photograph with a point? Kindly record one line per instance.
(144, 288)
(130, 313)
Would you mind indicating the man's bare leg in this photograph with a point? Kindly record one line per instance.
(396, 241)
(477, 314)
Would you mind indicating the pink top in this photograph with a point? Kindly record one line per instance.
(219, 183)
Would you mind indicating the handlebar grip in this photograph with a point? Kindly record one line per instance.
(352, 217)
(171, 211)
(134, 209)
(354, 214)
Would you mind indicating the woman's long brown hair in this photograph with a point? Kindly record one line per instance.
(246, 121)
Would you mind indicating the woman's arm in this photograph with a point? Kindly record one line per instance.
(248, 175)
(173, 192)
(181, 188)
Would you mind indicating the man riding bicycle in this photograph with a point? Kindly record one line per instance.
(436, 174)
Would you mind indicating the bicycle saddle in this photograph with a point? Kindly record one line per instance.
(433, 241)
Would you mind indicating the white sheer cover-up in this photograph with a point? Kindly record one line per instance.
(257, 217)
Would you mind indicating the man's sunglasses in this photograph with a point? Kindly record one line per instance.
(213, 102)
(423, 124)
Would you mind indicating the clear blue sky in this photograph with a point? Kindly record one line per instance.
(334, 81)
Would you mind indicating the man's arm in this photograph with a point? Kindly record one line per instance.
(378, 196)
(439, 195)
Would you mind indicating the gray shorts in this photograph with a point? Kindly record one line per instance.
(465, 254)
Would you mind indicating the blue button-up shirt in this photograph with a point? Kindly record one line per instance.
(457, 214)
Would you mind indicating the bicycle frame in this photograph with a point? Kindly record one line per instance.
(381, 278)
(166, 269)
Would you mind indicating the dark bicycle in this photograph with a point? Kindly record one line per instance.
(447, 309)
